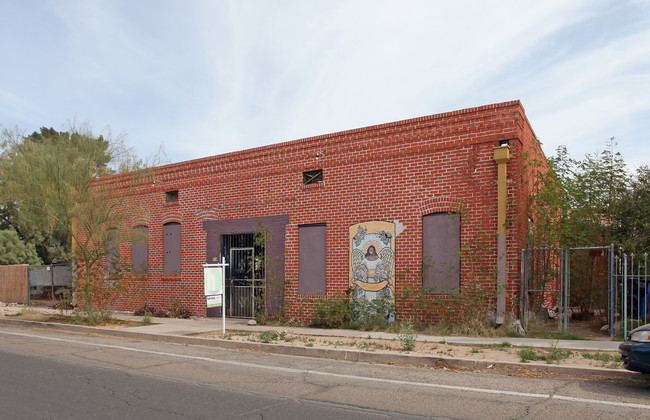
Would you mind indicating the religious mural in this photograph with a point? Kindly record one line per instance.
(372, 260)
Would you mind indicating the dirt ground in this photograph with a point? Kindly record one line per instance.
(488, 353)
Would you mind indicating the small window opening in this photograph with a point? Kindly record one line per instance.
(312, 177)
(171, 196)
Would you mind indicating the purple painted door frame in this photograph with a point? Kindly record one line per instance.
(276, 228)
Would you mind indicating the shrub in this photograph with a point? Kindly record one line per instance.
(177, 310)
(142, 311)
(374, 314)
(335, 312)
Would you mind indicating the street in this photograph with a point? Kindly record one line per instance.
(52, 374)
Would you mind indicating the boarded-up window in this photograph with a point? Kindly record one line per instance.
(112, 251)
(312, 277)
(172, 248)
(312, 177)
(441, 253)
(171, 196)
(140, 249)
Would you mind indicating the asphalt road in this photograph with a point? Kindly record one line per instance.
(50, 374)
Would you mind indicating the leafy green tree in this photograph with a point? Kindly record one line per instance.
(42, 176)
(581, 198)
(633, 215)
(100, 277)
(47, 196)
(14, 251)
(579, 204)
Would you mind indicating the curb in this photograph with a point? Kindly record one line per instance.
(332, 354)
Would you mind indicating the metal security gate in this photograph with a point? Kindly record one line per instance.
(49, 279)
(544, 290)
(565, 283)
(245, 283)
(631, 292)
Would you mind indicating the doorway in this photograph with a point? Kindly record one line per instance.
(245, 276)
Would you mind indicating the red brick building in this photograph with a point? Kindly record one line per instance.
(426, 205)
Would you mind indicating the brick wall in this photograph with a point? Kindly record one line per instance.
(391, 172)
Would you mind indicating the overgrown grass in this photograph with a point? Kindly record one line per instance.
(552, 334)
(30, 314)
(268, 336)
(342, 312)
(555, 355)
(601, 357)
(466, 317)
(527, 354)
(552, 355)
(94, 318)
(505, 346)
(473, 327)
(608, 360)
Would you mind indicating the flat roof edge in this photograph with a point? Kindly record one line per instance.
(297, 142)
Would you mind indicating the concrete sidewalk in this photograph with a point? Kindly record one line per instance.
(185, 331)
(175, 326)
(197, 325)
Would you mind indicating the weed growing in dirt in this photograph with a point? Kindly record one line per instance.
(552, 334)
(606, 360)
(408, 338)
(307, 341)
(552, 355)
(505, 346)
(527, 354)
(268, 336)
(28, 314)
(555, 355)
(366, 346)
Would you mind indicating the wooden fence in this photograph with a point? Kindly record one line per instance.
(14, 284)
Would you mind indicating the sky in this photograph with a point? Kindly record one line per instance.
(200, 78)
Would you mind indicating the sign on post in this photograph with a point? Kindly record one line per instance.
(212, 276)
(214, 301)
(214, 281)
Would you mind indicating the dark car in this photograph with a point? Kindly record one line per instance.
(635, 350)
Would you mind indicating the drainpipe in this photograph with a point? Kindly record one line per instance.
(501, 157)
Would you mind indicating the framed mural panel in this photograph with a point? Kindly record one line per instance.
(372, 260)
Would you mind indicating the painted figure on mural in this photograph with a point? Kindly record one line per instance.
(371, 259)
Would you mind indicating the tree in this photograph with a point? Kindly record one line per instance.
(579, 204)
(41, 178)
(47, 196)
(100, 277)
(14, 251)
(633, 215)
(582, 198)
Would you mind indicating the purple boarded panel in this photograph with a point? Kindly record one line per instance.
(312, 279)
(172, 248)
(112, 249)
(140, 249)
(441, 253)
